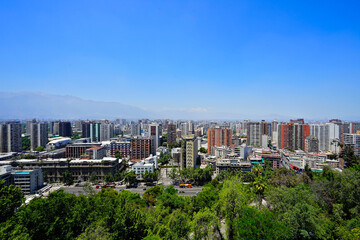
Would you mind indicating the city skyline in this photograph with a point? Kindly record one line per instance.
(192, 60)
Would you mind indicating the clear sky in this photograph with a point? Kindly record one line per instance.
(217, 59)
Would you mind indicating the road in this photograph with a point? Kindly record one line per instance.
(187, 191)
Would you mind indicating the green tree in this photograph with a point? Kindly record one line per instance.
(255, 224)
(206, 225)
(25, 143)
(203, 150)
(349, 156)
(67, 178)
(93, 177)
(88, 189)
(109, 178)
(259, 187)
(11, 198)
(40, 149)
(130, 178)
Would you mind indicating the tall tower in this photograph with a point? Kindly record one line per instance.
(39, 135)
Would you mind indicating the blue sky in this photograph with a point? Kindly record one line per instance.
(217, 59)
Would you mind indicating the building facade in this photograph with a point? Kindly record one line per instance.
(140, 148)
(219, 137)
(38, 135)
(10, 137)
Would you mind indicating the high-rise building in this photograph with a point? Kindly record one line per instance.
(311, 144)
(154, 133)
(140, 148)
(135, 129)
(65, 129)
(219, 137)
(106, 131)
(123, 148)
(38, 135)
(355, 126)
(353, 140)
(171, 139)
(298, 121)
(254, 133)
(28, 126)
(190, 151)
(85, 129)
(327, 134)
(95, 132)
(292, 135)
(10, 137)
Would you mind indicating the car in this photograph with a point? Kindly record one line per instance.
(98, 186)
(103, 186)
(144, 189)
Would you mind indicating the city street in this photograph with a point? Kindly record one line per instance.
(187, 191)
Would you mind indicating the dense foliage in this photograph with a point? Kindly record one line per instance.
(279, 204)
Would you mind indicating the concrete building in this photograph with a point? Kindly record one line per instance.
(254, 133)
(140, 148)
(97, 152)
(95, 132)
(28, 180)
(123, 148)
(80, 169)
(10, 137)
(77, 149)
(311, 144)
(190, 152)
(38, 135)
(149, 164)
(292, 136)
(154, 134)
(233, 165)
(106, 131)
(219, 137)
(171, 139)
(327, 134)
(353, 140)
(85, 129)
(5, 174)
(28, 126)
(65, 129)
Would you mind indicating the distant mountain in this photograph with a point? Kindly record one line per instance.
(27, 105)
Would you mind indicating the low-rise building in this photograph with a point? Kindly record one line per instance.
(232, 165)
(28, 180)
(149, 164)
(53, 169)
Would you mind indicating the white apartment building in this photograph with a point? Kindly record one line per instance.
(327, 134)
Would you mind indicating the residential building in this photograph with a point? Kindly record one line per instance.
(327, 134)
(190, 152)
(85, 129)
(154, 134)
(106, 131)
(171, 139)
(292, 136)
(140, 148)
(311, 144)
(10, 137)
(38, 135)
(95, 132)
(254, 133)
(123, 148)
(219, 137)
(65, 129)
(353, 140)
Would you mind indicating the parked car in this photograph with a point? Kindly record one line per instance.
(98, 186)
